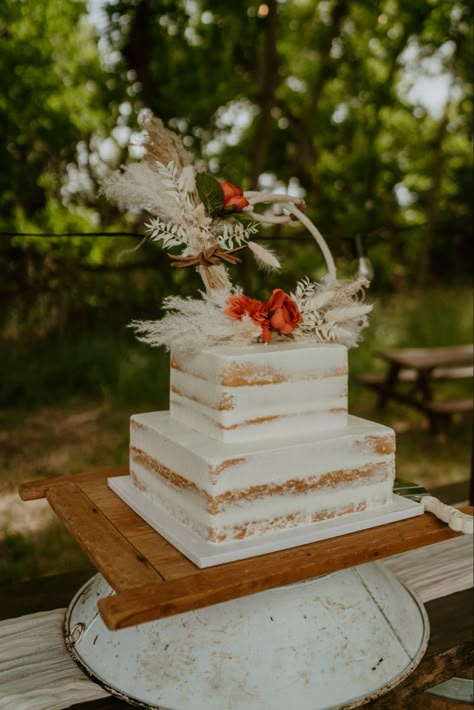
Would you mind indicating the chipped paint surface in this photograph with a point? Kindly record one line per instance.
(330, 642)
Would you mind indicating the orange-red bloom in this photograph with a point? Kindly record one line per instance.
(284, 315)
(233, 196)
(279, 313)
(256, 310)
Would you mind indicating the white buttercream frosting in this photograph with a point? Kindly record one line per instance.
(210, 468)
(192, 455)
(187, 506)
(254, 392)
(258, 438)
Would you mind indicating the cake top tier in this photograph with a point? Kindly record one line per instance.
(247, 365)
(250, 393)
(207, 223)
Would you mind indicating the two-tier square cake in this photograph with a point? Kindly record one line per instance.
(258, 439)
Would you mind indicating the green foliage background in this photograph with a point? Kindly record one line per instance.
(306, 94)
(309, 95)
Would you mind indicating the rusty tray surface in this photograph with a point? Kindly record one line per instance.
(153, 580)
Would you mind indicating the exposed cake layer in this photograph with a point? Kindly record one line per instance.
(231, 491)
(251, 393)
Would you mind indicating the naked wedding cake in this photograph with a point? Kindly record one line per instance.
(258, 436)
(258, 439)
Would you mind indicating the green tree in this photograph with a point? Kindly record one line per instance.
(55, 98)
(54, 95)
(311, 96)
(313, 92)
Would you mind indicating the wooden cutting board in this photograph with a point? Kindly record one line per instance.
(153, 580)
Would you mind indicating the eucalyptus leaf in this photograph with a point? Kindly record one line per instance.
(211, 194)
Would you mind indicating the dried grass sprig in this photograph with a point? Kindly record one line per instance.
(193, 212)
(332, 311)
(161, 144)
(265, 258)
(191, 325)
(137, 186)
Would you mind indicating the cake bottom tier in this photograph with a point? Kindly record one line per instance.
(227, 492)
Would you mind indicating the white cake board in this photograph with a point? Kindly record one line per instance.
(208, 554)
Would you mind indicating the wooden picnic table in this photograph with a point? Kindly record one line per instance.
(421, 368)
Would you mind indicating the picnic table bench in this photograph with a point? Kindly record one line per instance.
(422, 367)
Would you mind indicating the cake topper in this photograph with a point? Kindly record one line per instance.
(211, 222)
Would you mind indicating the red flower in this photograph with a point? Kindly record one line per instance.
(284, 315)
(279, 313)
(233, 196)
(256, 310)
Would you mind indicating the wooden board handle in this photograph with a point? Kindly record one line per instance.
(32, 490)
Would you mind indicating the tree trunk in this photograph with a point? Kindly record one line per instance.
(137, 54)
(424, 264)
(268, 81)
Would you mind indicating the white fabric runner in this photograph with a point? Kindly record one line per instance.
(37, 673)
(437, 570)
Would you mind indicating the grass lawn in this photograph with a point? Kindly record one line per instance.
(65, 409)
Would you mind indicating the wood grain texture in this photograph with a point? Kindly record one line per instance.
(224, 582)
(427, 358)
(425, 701)
(32, 490)
(112, 507)
(153, 580)
(163, 556)
(109, 551)
(450, 653)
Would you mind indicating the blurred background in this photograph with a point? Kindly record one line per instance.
(363, 108)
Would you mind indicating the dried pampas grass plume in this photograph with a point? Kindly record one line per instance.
(191, 325)
(265, 258)
(161, 144)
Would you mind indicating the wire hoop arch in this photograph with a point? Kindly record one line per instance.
(291, 205)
